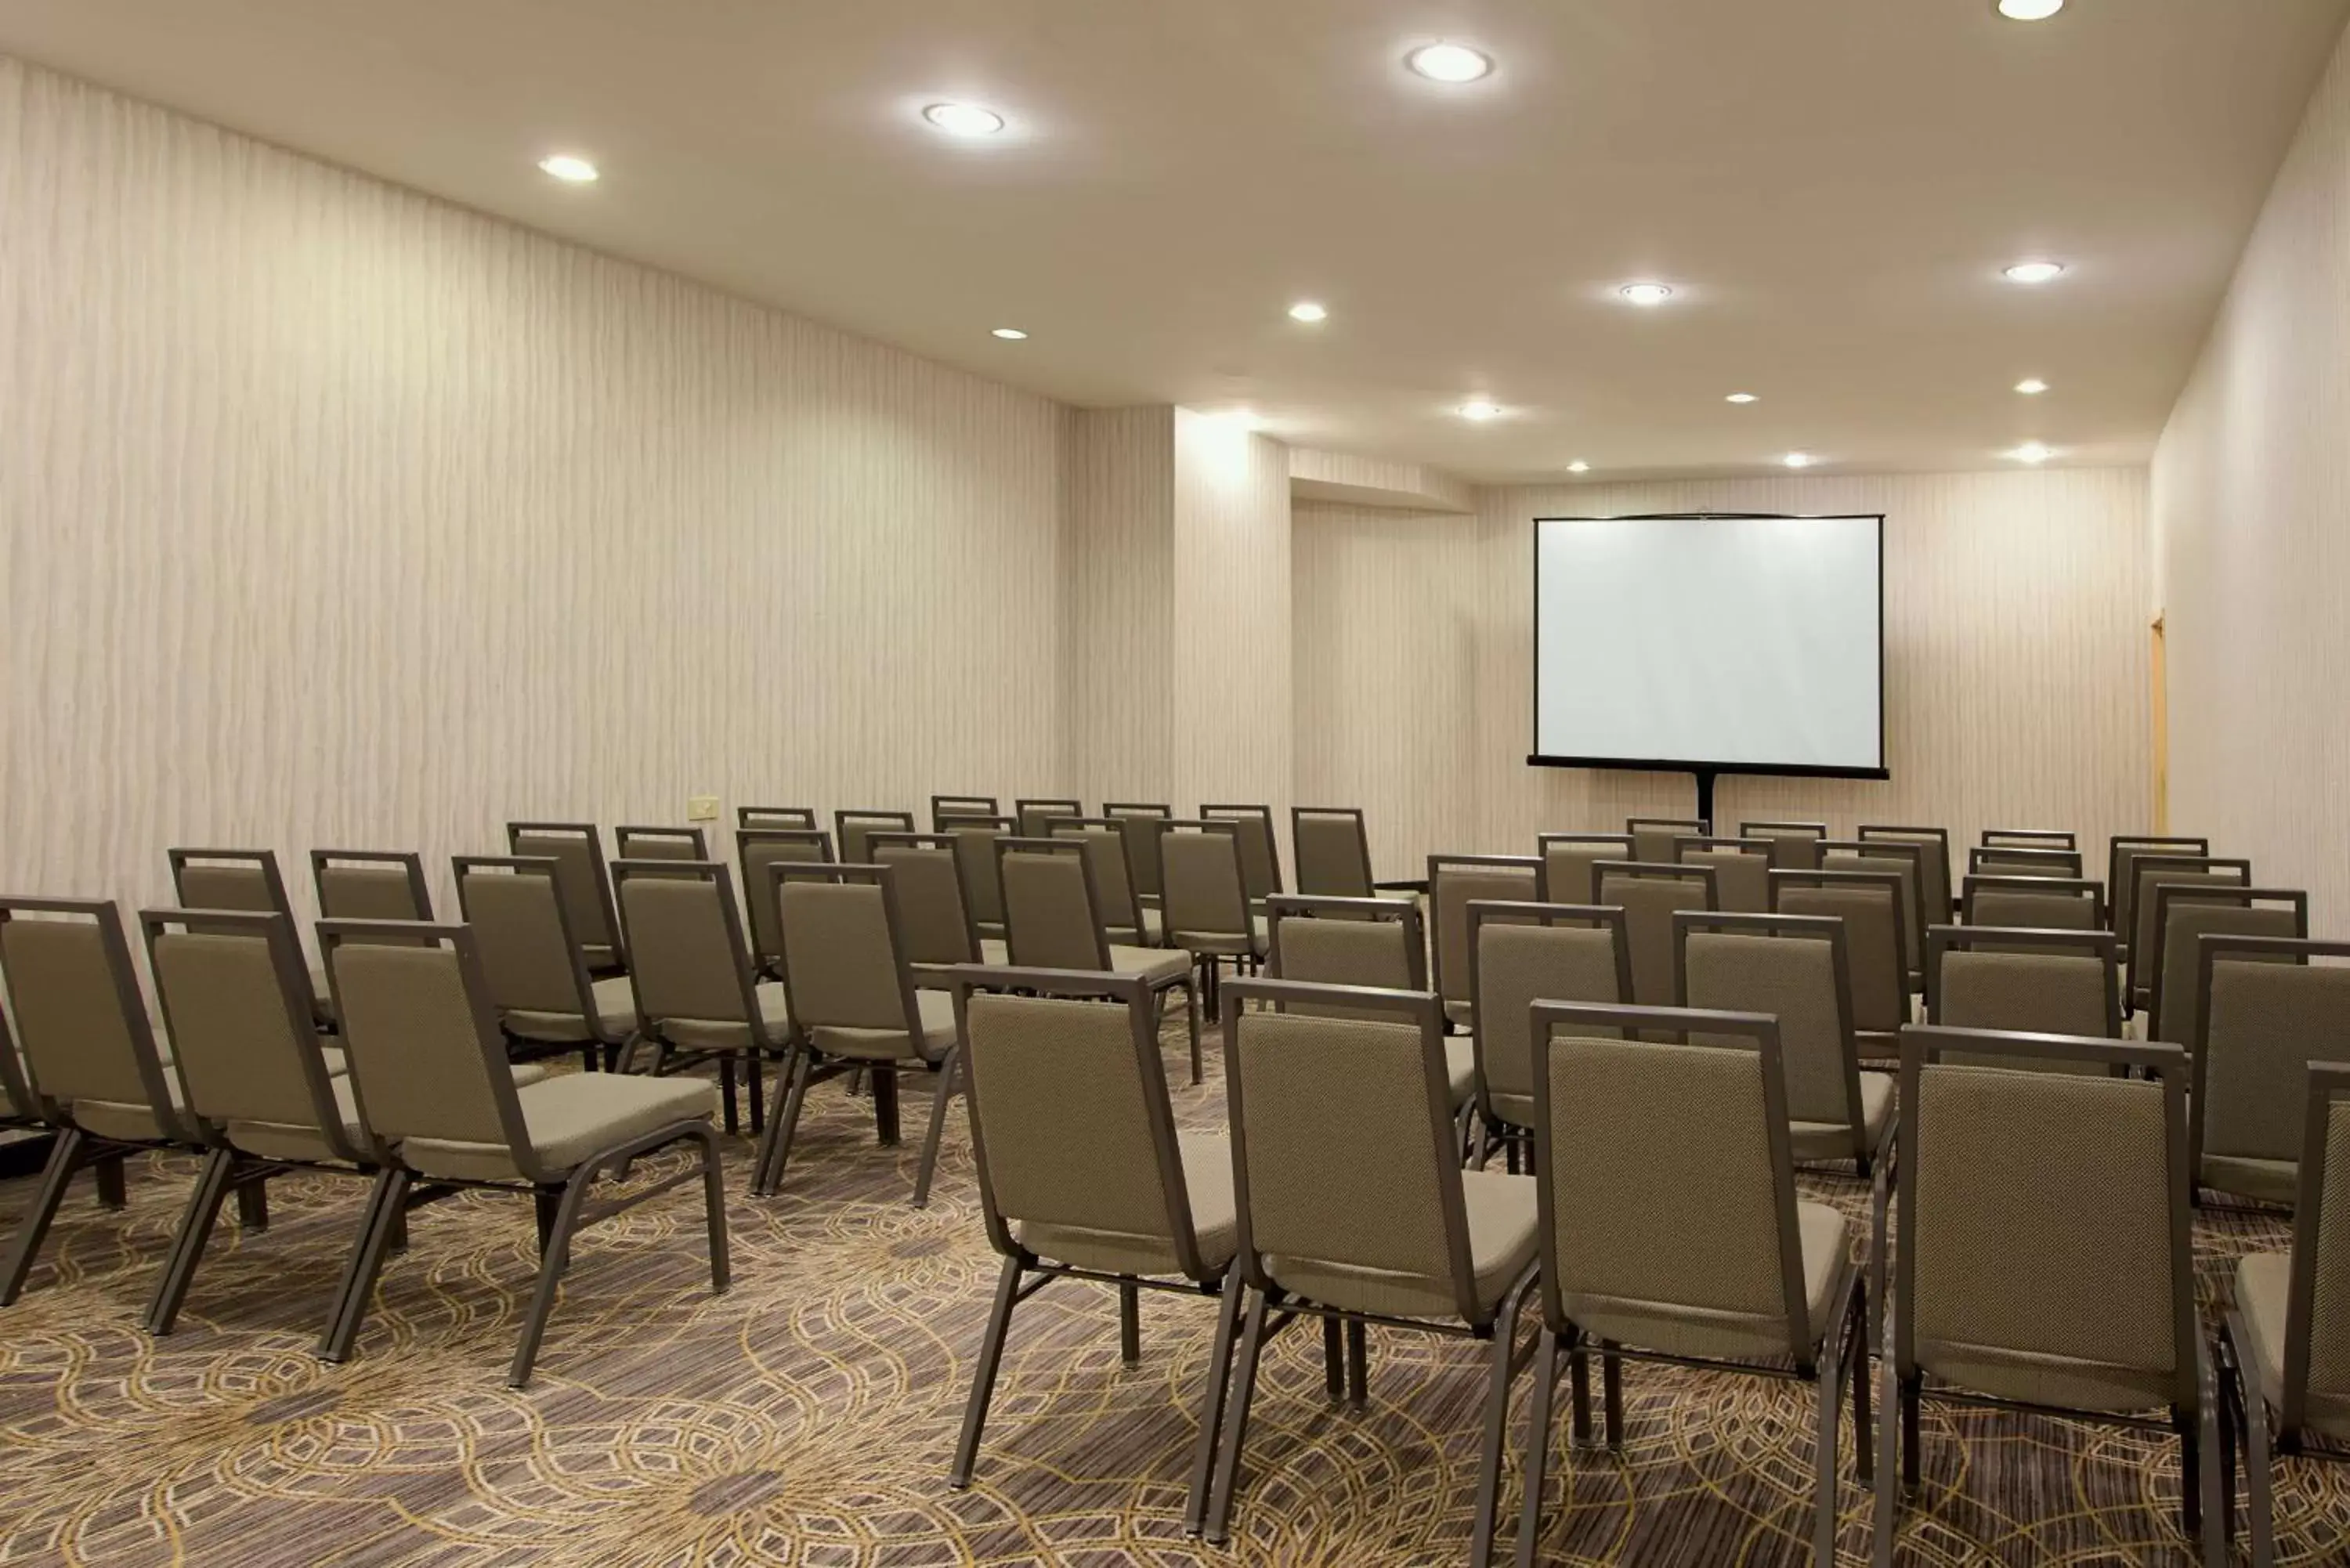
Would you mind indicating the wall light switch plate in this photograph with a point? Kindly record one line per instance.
(701, 808)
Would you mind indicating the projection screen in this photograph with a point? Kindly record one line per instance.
(1723, 644)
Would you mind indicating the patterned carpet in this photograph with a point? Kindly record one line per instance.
(808, 1416)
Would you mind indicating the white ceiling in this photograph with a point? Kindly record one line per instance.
(1833, 185)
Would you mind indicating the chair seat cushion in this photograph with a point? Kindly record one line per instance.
(936, 1011)
(2268, 1181)
(2263, 1284)
(1159, 966)
(136, 1123)
(1833, 1140)
(1711, 1334)
(568, 1118)
(1501, 1222)
(722, 1035)
(1207, 1178)
(1228, 945)
(616, 1017)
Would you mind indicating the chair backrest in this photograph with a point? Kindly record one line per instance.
(2043, 1218)
(580, 875)
(1795, 846)
(2268, 1007)
(2029, 838)
(1653, 836)
(943, 806)
(1526, 953)
(1649, 896)
(756, 850)
(1070, 1123)
(522, 935)
(1140, 820)
(974, 841)
(1115, 900)
(687, 959)
(1456, 881)
(81, 1025)
(1792, 968)
(1568, 859)
(244, 880)
(1933, 864)
(2150, 873)
(1200, 881)
(2121, 854)
(2317, 1290)
(1343, 1157)
(850, 828)
(1328, 940)
(1051, 918)
(2042, 903)
(1905, 860)
(2183, 912)
(845, 965)
(234, 996)
(2017, 861)
(1742, 869)
(370, 885)
(1719, 1237)
(659, 844)
(784, 816)
(2031, 981)
(934, 920)
(422, 1039)
(1260, 855)
(1033, 815)
(1332, 851)
(1873, 908)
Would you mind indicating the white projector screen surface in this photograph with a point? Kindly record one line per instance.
(1731, 643)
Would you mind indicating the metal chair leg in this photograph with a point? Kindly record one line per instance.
(1358, 1363)
(1191, 1020)
(1227, 1464)
(188, 1242)
(1212, 1406)
(253, 1205)
(2258, 1446)
(939, 1098)
(1538, 1442)
(554, 1255)
(349, 1311)
(714, 1204)
(1888, 1470)
(1863, 1448)
(1611, 1394)
(1129, 1323)
(983, 1381)
(1578, 1374)
(65, 1158)
(768, 1171)
(113, 1183)
(1823, 1456)
(1504, 1358)
(1334, 1360)
(726, 1093)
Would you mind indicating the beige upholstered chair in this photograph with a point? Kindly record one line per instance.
(580, 875)
(2027, 983)
(659, 844)
(1566, 862)
(1653, 836)
(1332, 851)
(1717, 1264)
(1933, 864)
(974, 841)
(1204, 901)
(758, 849)
(933, 919)
(1374, 942)
(1126, 920)
(2267, 1007)
(1795, 846)
(537, 974)
(2038, 903)
(370, 885)
(1138, 821)
(854, 1004)
(245, 880)
(1353, 1207)
(2284, 1354)
(88, 1052)
(430, 1075)
(697, 998)
(1034, 818)
(2018, 860)
(1053, 919)
(2148, 875)
(851, 829)
(1454, 882)
(1873, 908)
(1082, 1174)
(752, 817)
(2184, 913)
(1522, 954)
(2028, 838)
(943, 806)
(2121, 855)
(1259, 853)
(2044, 1256)
(1741, 870)
(1650, 897)
(1906, 860)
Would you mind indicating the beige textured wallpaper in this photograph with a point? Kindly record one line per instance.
(332, 515)
(1226, 682)
(2016, 662)
(2251, 518)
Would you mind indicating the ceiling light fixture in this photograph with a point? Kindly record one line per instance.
(2030, 10)
(1307, 310)
(1478, 411)
(2034, 271)
(1449, 62)
(1739, 397)
(964, 119)
(2031, 386)
(1578, 466)
(1009, 334)
(1799, 460)
(568, 168)
(2032, 451)
(1646, 294)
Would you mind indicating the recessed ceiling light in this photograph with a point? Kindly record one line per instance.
(1479, 410)
(1799, 460)
(1010, 334)
(2031, 386)
(1578, 466)
(1647, 293)
(1307, 310)
(569, 169)
(1449, 62)
(1739, 397)
(964, 119)
(2034, 271)
(2030, 10)
(2032, 451)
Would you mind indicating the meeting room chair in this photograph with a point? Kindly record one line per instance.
(698, 1000)
(2028, 838)
(2284, 1349)
(1933, 864)
(1035, 815)
(89, 1054)
(2267, 1007)
(583, 879)
(1906, 860)
(2185, 912)
(1454, 882)
(2044, 1256)
(933, 917)
(534, 972)
(2015, 860)
(659, 844)
(1522, 954)
(943, 806)
(1719, 1265)
(1138, 821)
(1352, 1208)
(370, 885)
(2121, 855)
(1126, 921)
(1795, 846)
(850, 830)
(1083, 1176)
(1260, 853)
(1332, 852)
(1374, 943)
(430, 1072)
(974, 841)
(1204, 902)
(1053, 920)
(1873, 908)
(246, 880)
(1742, 869)
(2148, 875)
(1651, 896)
(2026, 981)
(752, 817)
(2038, 903)
(854, 1004)
(1653, 836)
(1566, 862)
(755, 850)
